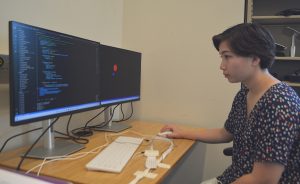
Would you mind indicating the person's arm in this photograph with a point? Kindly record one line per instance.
(217, 135)
(262, 173)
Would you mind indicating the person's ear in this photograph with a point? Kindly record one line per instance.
(256, 61)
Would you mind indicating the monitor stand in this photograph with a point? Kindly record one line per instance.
(112, 126)
(52, 147)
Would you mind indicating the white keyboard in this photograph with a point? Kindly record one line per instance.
(116, 155)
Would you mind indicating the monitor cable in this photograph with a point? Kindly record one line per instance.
(35, 142)
(23, 133)
(68, 136)
(125, 119)
(105, 123)
(78, 140)
(89, 121)
(86, 130)
(68, 124)
(123, 115)
(131, 104)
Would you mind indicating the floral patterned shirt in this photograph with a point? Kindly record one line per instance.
(271, 133)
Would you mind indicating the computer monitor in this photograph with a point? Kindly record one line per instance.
(51, 74)
(120, 79)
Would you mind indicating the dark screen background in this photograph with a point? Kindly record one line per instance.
(124, 82)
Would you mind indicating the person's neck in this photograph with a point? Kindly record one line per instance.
(260, 82)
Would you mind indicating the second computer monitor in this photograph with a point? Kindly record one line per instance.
(120, 75)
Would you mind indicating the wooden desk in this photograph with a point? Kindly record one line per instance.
(75, 171)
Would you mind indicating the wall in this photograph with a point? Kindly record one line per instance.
(99, 20)
(181, 80)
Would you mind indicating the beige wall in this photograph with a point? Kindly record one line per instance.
(99, 20)
(181, 80)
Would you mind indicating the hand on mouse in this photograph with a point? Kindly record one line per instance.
(173, 131)
(165, 133)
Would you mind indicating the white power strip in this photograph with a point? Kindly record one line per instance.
(152, 162)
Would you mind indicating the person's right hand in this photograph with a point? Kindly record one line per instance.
(177, 132)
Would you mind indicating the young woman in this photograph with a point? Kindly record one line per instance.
(264, 122)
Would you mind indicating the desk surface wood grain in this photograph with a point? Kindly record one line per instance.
(75, 171)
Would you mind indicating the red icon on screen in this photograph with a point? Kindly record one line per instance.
(115, 67)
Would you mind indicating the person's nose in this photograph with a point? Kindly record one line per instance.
(222, 65)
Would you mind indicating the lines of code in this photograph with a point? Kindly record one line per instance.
(53, 70)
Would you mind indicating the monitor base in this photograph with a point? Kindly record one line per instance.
(61, 148)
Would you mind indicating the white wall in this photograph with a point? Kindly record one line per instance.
(181, 80)
(99, 20)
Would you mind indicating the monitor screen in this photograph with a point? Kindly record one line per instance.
(120, 75)
(51, 73)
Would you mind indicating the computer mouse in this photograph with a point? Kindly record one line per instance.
(165, 133)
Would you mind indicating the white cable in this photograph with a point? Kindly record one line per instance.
(82, 154)
(168, 151)
(38, 173)
(68, 157)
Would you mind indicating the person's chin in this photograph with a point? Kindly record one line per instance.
(233, 80)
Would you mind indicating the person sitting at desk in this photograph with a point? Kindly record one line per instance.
(264, 120)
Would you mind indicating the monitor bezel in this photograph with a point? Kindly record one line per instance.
(120, 102)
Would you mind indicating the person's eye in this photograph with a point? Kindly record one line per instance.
(225, 56)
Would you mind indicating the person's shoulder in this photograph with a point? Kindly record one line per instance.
(284, 90)
(281, 106)
(284, 94)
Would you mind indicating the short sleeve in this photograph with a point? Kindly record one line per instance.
(276, 130)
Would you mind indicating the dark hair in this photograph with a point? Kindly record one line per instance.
(249, 39)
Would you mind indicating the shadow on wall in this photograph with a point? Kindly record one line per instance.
(4, 70)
